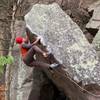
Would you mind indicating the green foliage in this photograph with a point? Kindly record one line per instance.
(5, 60)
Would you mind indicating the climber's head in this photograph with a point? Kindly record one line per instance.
(19, 40)
(27, 30)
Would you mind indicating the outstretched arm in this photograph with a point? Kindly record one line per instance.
(36, 41)
(27, 46)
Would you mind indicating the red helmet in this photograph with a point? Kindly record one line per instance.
(19, 40)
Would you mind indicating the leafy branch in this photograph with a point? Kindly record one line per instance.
(5, 60)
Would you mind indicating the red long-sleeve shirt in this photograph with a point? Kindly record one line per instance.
(24, 49)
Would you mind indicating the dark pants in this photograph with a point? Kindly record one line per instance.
(29, 57)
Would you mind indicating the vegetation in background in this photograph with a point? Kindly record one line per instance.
(4, 60)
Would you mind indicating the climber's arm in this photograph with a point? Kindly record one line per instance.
(36, 41)
(27, 46)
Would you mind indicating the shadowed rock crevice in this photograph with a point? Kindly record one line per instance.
(91, 13)
(92, 31)
(56, 94)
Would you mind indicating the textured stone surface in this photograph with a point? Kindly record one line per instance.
(66, 41)
(94, 23)
(96, 43)
(95, 20)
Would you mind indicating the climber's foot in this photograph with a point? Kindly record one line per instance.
(46, 54)
(54, 65)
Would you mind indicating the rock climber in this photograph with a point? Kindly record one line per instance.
(28, 51)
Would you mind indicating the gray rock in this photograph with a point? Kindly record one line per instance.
(94, 23)
(66, 41)
(96, 43)
(95, 20)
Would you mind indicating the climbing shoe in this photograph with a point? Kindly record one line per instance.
(54, 65)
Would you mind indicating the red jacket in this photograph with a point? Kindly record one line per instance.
(23, 51)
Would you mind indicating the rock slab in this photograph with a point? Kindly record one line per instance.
(66, 41)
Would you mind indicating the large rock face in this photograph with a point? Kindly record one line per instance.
(66, 41)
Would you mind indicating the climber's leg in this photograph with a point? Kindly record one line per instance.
(43, 65)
